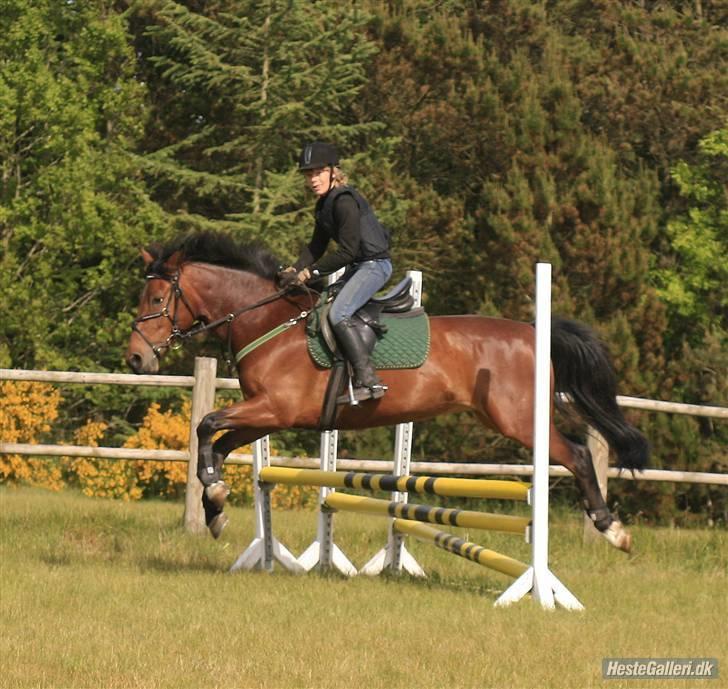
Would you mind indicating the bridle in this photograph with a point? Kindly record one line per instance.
(177, 336)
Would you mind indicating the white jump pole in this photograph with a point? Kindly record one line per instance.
(323, 551)
(395, 554)
(538, 579)
(255, 555)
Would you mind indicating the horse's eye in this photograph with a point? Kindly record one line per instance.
(157, 301)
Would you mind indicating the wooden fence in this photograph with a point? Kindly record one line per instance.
(204, 383)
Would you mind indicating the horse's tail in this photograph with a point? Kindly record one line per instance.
(583, 370)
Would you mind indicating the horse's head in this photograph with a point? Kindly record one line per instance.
(198, 283)
(163, 317)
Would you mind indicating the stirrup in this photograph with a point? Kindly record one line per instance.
(377, 391)
(354, 396)
(361, 394)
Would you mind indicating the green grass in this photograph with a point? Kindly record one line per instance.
(96, 594)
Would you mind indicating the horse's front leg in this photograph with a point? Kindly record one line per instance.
(245, 422)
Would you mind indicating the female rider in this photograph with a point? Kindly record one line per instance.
(342, 214)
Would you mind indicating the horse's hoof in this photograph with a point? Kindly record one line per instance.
(618, 536)
(218, 523)
(217, 493)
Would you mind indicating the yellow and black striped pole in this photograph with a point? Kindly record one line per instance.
(447, 487)
(458, 546)
(427, 513)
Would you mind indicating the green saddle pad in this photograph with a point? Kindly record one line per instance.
(405, 344)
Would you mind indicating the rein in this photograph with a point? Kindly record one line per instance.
(177, 336)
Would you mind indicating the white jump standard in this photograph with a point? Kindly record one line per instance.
(538, 578)
(264, 548)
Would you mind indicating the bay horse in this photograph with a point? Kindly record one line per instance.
(207, 282)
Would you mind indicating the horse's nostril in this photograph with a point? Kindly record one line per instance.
(135, 362)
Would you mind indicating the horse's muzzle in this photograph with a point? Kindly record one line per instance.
(140, 364)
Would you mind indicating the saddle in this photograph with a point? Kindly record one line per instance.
(367, 318)
(395, 334)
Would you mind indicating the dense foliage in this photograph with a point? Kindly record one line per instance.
(488, 135)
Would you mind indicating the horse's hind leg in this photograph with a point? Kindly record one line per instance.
(516, 422)
(578, 460)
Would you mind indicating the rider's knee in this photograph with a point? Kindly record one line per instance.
(337, 315)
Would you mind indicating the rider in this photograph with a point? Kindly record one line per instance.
(342, 214)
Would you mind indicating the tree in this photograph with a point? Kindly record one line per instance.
(72, 209)
(692, 277)
(255, 80)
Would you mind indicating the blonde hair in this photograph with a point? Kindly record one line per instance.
(340, 177)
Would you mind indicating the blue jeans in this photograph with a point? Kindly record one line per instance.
(362, 282)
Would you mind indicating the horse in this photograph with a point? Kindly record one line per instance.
(210, 283)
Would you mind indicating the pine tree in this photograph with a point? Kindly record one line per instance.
(256, 80)
(490, 118)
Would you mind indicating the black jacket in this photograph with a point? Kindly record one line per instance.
(344, 216)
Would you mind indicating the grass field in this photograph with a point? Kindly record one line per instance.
(98, 594)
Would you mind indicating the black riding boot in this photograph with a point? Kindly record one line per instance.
(366, 379)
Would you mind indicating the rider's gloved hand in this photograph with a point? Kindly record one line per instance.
(286, 277)
(289, 276)
(303, 276)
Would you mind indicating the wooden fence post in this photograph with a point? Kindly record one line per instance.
(203, 400)
(600, 456)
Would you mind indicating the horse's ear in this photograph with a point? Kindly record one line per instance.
(174, 261)
(146, 257)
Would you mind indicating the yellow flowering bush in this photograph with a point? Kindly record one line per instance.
(27, 411)
(162, 431)
(102, 478)
(290, 497)
(170, 431)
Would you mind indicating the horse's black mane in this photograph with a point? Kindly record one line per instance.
(219, 249)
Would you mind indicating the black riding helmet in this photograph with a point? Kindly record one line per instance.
(318, 154)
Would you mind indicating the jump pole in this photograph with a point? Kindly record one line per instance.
(443, 486)
(461, 547)
(426, 513)
(264, 548)
(538, 578)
